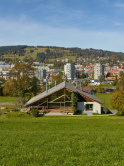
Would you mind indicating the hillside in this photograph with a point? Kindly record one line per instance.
(11, 54)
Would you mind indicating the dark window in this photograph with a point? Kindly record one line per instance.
(89, 107)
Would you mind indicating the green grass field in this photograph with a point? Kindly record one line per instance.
(8, 99)
(61, 141)
(107, 86)
(105, 98)
(8, 103)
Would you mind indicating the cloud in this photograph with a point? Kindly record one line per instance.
(120, 5)
(33, 33)
(117, 23)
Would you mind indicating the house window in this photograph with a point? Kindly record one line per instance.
(89, 107)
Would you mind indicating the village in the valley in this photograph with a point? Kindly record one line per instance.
(89, 79)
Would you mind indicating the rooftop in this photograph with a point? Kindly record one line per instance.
(60, 87)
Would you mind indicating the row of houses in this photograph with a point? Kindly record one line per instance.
(44, 71)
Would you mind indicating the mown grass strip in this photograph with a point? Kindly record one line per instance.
(87, 141)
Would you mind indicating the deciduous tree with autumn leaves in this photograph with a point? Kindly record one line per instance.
(117, 100)
(22, 82)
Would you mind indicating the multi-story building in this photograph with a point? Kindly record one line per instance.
(98, 70)
(40, 72)
(69, 71)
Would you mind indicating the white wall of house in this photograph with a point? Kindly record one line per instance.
(82, 107)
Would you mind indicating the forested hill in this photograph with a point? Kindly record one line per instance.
(51, 53)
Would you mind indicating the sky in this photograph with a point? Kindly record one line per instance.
(97, 24)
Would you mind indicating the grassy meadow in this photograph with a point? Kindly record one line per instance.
(9, 103)
(31, 52)
(64, 141)
(105, 98)
(8, 99)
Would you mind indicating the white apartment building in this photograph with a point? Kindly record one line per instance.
(69, 71)
(98, 70)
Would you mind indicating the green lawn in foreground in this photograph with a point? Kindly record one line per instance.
(105, 98)
(64, 141)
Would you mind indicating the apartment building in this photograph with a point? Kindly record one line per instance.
(69, 71)
(98, 70)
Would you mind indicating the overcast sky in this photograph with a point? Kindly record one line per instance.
(95, 24)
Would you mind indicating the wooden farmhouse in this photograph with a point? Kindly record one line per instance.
(59, 100)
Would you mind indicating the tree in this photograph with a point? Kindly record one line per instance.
(115, 82)
(2, 81)
(20, 102)
(83, 75)
(35, 86)
(117, 101)
(108, 74)
(101, 78)
(121, 83)
(23, 84)
(92, 75)
(74, 84)
(85, 83)
(121, 73)
(10, 88)
(74, 99)
(58, 78)
(47, 50)
(99, 89)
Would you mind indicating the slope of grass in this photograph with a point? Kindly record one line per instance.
(64, 57)
(27, 53)
(65, 141)
(7, 99)
(32, 52)
(105, 98)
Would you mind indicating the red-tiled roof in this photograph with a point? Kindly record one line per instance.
(112, 78)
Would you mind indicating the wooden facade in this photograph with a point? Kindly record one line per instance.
(58, 99)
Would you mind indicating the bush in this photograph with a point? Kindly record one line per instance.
(34, 112)
(96, 114)
(120, 113)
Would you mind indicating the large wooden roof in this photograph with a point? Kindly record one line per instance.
(59, 87)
